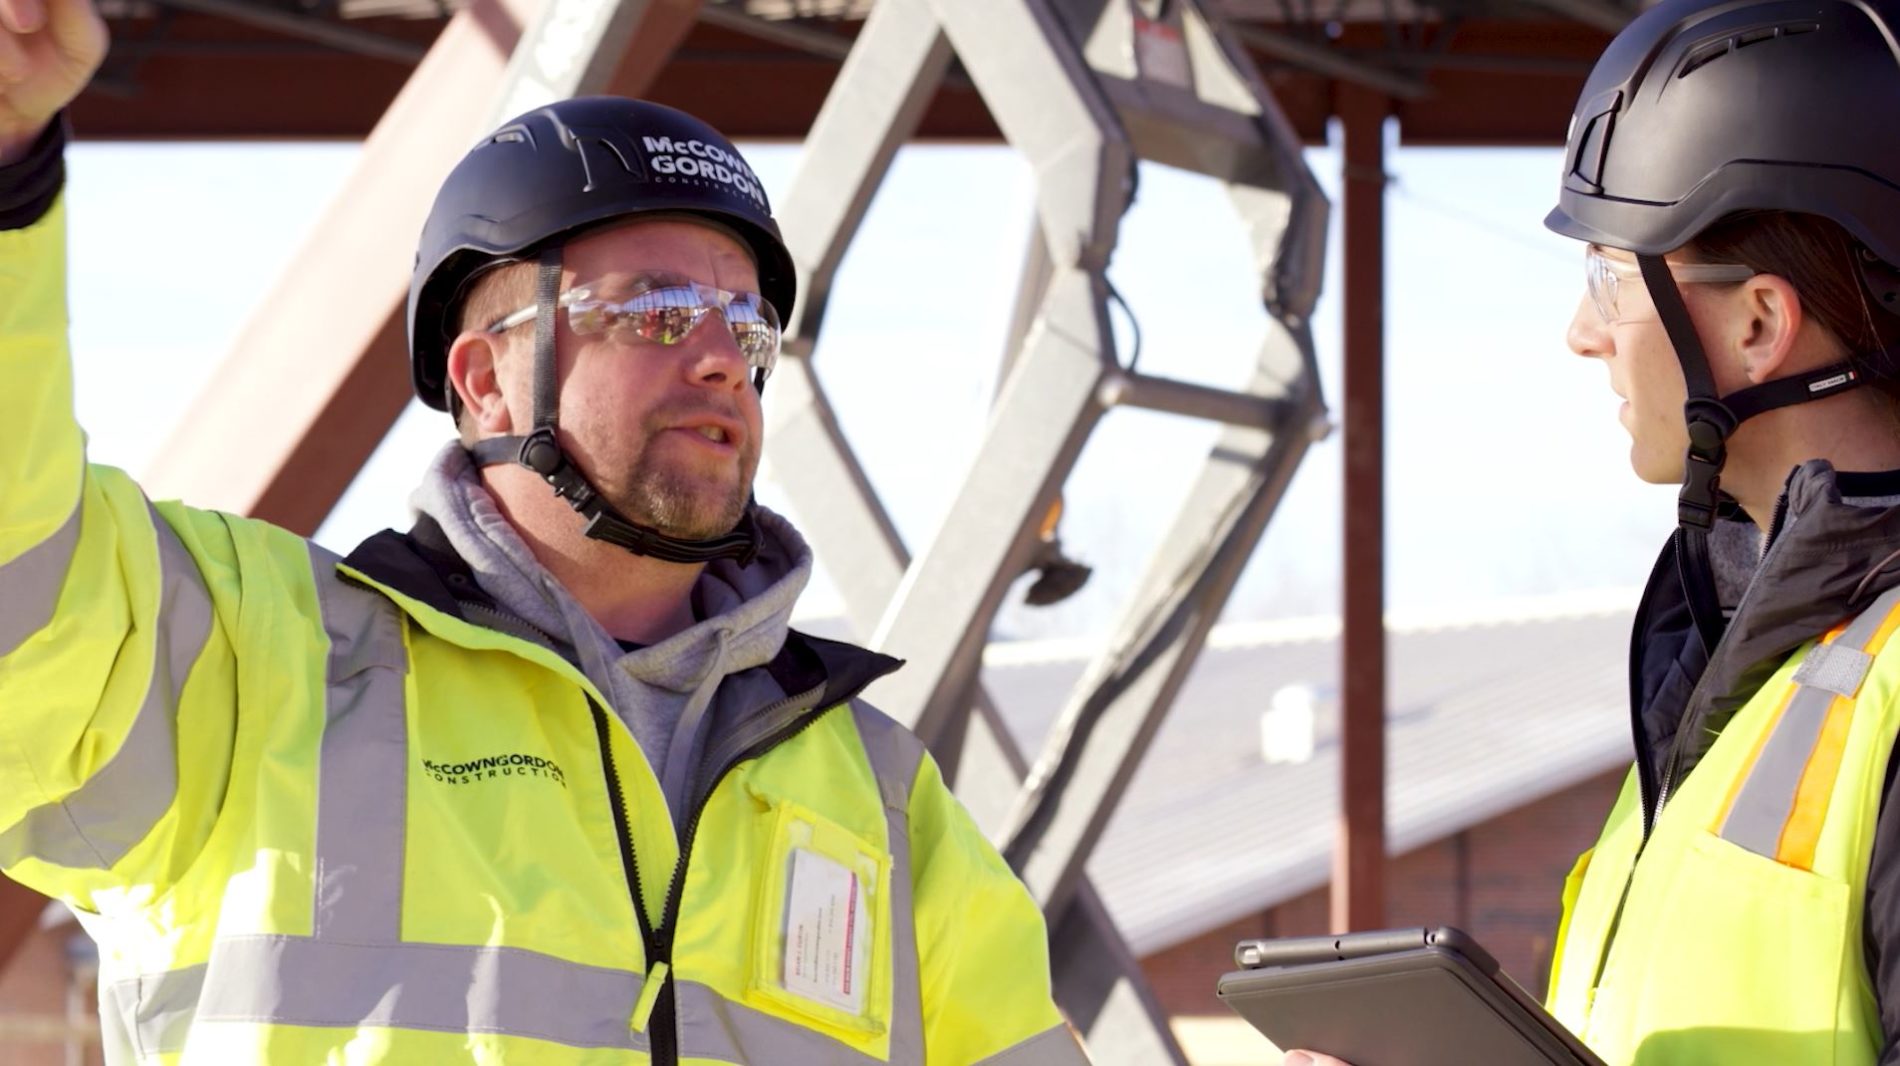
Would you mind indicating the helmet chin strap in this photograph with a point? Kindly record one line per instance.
(540, 452)
(1711, 418)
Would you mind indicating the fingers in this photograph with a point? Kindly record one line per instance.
(76, 25)
(22, 16)
(1311, 1058)
(13, 61)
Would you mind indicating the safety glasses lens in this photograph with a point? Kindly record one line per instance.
(1602, 283)
(668, 313)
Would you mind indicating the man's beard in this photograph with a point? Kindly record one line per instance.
(682, 503)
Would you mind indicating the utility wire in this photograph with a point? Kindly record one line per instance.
(1476, 221)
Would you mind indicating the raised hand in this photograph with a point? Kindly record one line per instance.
(48, 52)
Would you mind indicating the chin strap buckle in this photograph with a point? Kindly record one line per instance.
(1700, 497)
(541, 454)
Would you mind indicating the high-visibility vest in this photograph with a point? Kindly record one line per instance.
(310, 816)
(1734, 934)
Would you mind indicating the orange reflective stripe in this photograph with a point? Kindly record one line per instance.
(1885, 631)
(1803, 829)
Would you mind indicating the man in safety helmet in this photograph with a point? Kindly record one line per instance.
(1729, 169)
(547, 778)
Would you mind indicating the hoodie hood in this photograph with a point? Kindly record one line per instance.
(665, 692)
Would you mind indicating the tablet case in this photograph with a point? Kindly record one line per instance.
(1401, 997)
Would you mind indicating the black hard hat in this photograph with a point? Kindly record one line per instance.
(560, 169)
(1700, 109)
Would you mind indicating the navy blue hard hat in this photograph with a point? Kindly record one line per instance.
(1703, 108)
(549, 174)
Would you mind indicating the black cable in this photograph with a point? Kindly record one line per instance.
(1134, 324)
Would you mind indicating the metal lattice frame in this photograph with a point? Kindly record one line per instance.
(1070, 89)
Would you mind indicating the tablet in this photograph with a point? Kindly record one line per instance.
(1398, 997)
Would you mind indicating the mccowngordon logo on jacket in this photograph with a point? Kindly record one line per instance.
(495, 768)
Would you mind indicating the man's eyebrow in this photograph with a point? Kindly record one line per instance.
(622, 280)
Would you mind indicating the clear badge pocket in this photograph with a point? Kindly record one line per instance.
(822, 935)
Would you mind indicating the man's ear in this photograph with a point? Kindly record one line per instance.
(1774, 320)
(474, 369)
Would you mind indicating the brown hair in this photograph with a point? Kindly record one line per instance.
(491, 295)
(1822, 261)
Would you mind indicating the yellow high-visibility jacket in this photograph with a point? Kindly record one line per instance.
(312, 813)
(1734, 930)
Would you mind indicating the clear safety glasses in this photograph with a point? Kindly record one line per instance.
(1605, 277)
(665, 309)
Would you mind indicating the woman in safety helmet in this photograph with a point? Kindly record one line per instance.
(1741, 212)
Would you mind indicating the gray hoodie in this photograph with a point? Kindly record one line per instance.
(666, 693)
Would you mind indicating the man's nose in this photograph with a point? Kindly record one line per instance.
(1588, 335)
(714, 359)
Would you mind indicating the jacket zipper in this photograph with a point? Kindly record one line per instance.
(603, 731)
(1661, 790)
(507, 622)
(663, 1026)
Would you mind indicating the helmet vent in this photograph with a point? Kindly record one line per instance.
(1702, 55)
(516, 134)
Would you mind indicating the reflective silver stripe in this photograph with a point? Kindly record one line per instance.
(115, 1030)
(284, 980)
(151, 1014)
(30, 584)
(714, 1027)
(1051, 1047)
(1766, 799)
(1833, 668)
(363, 765)
(895, 755)
(97, 825)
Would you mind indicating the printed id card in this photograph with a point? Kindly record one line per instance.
(820, 947)
(827, 932)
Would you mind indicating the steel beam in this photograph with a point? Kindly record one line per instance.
(1497, 82)
(733, 16)
(574, 48)
(1032, 287)
(1331, 63)
(1358, 891)
(329, 32)
(1231, 408)
(1601, 14)
(321, 371)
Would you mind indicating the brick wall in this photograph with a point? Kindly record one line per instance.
(1500, 881)
(33, 1005)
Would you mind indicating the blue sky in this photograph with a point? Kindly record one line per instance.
(1507, 471)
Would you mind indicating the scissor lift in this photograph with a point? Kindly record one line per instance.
(1084, 89)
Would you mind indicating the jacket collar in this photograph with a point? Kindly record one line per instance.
(1830, 553)
(420, 564)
